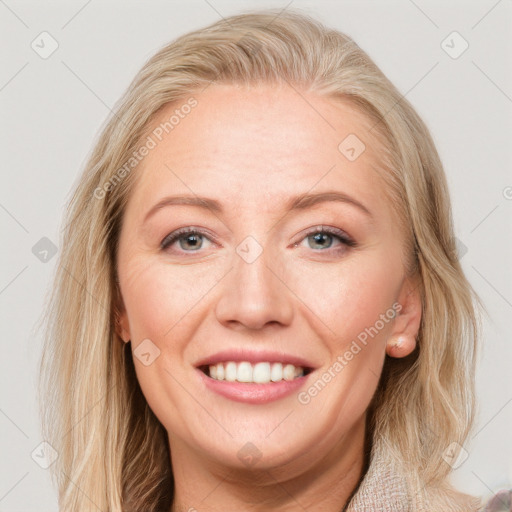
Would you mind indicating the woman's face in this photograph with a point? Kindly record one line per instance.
(295, 266)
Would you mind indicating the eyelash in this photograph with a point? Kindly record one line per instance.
(334, 232)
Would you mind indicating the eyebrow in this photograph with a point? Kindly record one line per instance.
(300, 202)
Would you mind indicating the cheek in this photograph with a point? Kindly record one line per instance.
(357, 301)
(161, 299)
(352, 298)
(164, 305)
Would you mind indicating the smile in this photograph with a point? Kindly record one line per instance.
(254, 377)
(258, 373)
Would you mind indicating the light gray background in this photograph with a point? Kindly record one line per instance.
(52, 109)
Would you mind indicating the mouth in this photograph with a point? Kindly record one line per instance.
(253, 377)
(263, 372)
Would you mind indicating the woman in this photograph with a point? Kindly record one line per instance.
(314, 346)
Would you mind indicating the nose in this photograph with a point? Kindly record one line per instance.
(254, 295)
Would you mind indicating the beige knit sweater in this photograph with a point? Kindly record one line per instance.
(384, 489)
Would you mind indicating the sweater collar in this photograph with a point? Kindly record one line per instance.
(382, 488)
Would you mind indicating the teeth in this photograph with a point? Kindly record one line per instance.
(276, 373)
(220, 372)
(244, 372)
(230, 371)
(260, 373)
(289, 372)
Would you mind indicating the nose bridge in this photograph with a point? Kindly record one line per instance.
(253, 294)
(252, 267)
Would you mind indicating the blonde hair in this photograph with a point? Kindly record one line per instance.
(113, 451)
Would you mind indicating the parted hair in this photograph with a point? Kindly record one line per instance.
(113, 453)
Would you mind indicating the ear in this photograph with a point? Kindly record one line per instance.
(122, 325)
(403, 336)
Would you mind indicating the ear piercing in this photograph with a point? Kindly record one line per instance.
(401, 347)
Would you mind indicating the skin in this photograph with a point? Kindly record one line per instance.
(252, 149)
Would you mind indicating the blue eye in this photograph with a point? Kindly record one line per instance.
(324, 236)
(191, 239)
(320, 238)
(188, 238)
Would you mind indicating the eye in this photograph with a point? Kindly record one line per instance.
(320, 238)
(323, 237)
(190, 239)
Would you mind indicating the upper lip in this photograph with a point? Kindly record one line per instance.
(253, 356)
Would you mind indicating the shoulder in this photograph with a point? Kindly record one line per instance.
(500, 502)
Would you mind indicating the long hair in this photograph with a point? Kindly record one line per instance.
(113, 453)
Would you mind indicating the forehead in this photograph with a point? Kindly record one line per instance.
(258, 144)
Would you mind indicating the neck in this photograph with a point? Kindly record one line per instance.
(316, 483)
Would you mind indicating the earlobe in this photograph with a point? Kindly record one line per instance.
(122, 326)
(403, 337)
(401, 346)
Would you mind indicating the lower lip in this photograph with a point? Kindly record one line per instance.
(253, 393)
